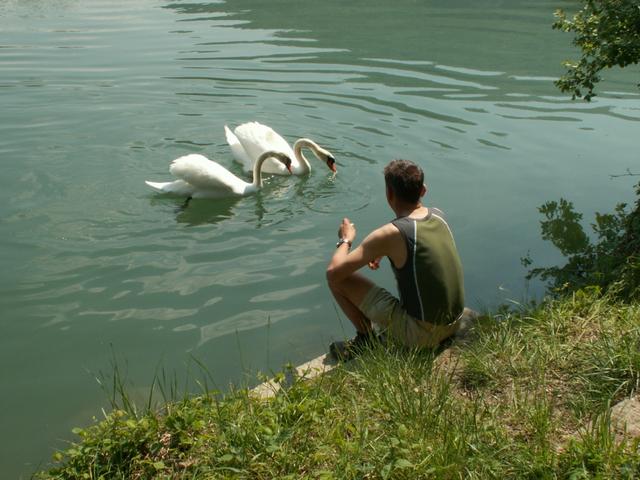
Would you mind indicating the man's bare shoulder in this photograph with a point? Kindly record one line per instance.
(386, 230)
(384, 234)
(385, 241)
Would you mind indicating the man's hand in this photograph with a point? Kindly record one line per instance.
(347, 230)
(375, 263)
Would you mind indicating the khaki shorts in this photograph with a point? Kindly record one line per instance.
(384, 309)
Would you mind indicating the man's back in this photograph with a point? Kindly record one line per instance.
(430, 283)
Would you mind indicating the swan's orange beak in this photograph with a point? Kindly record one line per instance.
(331, 163)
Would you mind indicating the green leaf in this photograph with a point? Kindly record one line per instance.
(226, 458)
(325, 475)
(607, 33)
(386, 471)
(403, 463)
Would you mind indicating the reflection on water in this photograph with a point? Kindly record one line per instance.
(299, 255)
(281, 295)
(159, 314)
(205, 211)
(275, 203)
(279, 199)
(248, 320)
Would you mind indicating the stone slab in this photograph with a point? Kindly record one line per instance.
(306, 371)
(325, 363)
(625, 417)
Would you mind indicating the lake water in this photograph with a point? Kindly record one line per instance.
(98, 96)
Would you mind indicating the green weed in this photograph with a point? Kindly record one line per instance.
(528, 398)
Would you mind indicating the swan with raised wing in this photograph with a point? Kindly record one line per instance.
(249, 140)
(199, 177)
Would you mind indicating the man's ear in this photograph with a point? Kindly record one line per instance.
(423, 190)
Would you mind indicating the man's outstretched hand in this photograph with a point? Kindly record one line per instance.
(347, 230)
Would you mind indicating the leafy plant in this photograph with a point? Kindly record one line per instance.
(612, 262)
(608, 34)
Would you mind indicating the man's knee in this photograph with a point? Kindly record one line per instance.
(354, 287)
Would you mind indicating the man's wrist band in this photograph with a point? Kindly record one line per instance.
(343, 240)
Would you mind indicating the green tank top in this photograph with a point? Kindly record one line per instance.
(430, 283)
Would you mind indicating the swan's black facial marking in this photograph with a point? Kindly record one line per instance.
(331, 163)
(287, 163)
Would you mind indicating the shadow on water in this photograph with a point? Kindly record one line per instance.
(205, 211)
(280, 200)
(264, 208)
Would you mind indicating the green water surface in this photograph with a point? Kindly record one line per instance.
(97, 96)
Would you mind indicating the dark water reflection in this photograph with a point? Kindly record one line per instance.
(205, 211)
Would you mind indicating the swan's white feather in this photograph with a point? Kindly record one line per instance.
(256, 139)
(177, 187)
(207, 176)
(239, 154)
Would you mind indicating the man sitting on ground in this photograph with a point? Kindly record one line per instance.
(424, 259)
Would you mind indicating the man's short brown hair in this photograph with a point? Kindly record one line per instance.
(405, 179)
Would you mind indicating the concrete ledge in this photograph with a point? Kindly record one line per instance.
(306, 371)
(324, 363)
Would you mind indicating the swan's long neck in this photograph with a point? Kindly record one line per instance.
(297, 151)
(257, 169)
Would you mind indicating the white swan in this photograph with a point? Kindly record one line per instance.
(199, 177)
(249, 140)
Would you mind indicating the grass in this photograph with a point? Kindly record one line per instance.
(528, 398)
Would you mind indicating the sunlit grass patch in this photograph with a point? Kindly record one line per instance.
(527, 398)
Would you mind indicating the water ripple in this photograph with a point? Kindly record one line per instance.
(91, 256)
(244, 321)
(281, 295)
(162, 314)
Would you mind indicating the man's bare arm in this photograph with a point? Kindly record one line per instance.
(372, 248)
